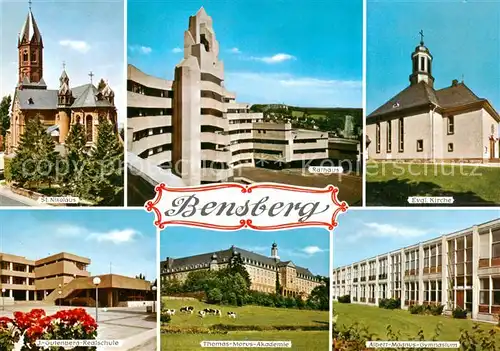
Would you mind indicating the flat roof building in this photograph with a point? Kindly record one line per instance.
(42, 280)
(194, 127)
(460, 269)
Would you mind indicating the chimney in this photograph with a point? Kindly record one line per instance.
(454, 82)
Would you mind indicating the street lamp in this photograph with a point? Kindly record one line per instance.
(3, 301)
(154, 298)
(60, 293)
(96, 282)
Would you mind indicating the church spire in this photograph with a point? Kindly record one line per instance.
(421, 64)
(30, 46)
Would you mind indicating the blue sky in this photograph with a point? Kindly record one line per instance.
(363, 234)
(296, 52)
(124, 238)
(87, 35)
(309, 248)
(463, 37)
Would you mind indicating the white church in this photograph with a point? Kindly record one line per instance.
(421, 123)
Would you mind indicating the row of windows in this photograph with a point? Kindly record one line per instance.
(156, 150)
(307, 151)
(260, 151)
(145, 112)
(151, 131)
(144, 90)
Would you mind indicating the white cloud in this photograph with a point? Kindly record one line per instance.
(69, 230)
(235, 51)
(257, 87)
(383, 230)
(78, 45)
(278, 58)
(177, 50)
(312, 250)
(115, 236)
(146, 50)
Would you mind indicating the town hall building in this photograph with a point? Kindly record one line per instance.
(427, 124)
(294, 281)
(57, 109)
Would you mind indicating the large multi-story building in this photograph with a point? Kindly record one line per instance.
(460, 269)
(264, 271)
(194, 127)
(63, 277)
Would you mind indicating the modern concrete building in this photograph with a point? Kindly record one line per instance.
(193, 127)
(460, 269)
(428, 124)
(263, 270)
(63, 276)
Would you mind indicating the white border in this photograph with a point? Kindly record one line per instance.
(125, 124)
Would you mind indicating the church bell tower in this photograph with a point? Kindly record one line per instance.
(421, 64)
(30, 47)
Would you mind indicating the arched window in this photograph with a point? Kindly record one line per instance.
(25, 55)
(88, 127)
(33, 56)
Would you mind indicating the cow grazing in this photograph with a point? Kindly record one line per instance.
(187, 309)
(231, 315)
(170, 312)
(218, 312)
(201, 314)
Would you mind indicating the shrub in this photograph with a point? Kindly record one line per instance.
(165, 318)
(459, 313)
(7, 170)
(389, 304)
(436, 310)
(478, 339)
(417, 309)
(344, 299)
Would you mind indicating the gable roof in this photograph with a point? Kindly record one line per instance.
(421, 94)
(86, 96)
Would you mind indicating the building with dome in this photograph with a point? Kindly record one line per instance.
(428, 124)
(58, 109)
(263, 270)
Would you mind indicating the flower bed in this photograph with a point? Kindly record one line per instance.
(26, 328)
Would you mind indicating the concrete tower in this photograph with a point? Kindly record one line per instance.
(421, 64)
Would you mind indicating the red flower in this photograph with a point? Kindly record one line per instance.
(4, 322)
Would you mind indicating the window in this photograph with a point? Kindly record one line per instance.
(401, 135)
(415, 64)
(451, 125)
(420, 145)
(33, 56)
(422, 64)
(25, 55)
(89, 127)
(377, 138)
(450, 147)
(429, 66)
(495, 247)
(389, 136)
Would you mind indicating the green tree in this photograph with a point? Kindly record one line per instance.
(236, 265)
(35, 160)
(278, 285)
(4, 117)
(75, 169)
(171, 286)
(320, 297)
(107, 166)
(140, 276)
(199, 281)
(214, 296)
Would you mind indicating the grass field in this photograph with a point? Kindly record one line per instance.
(248, 316)
(377, 319)
(390, 184)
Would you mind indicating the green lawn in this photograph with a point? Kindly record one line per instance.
(313, 340)
(247, 316)
(377, 319)
(390, 184)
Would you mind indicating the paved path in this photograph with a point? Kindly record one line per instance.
(148, 346)
(7, 201)
(8, 198)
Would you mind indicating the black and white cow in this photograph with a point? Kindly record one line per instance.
(231, 315)
(170, 312)
(212, 311)
(202, 314)
(187, 309)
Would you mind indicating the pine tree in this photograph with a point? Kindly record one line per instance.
(236, 265)
(4, 117)
(76, 175)
(107, 166)
(36, 158)
(278, 285)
